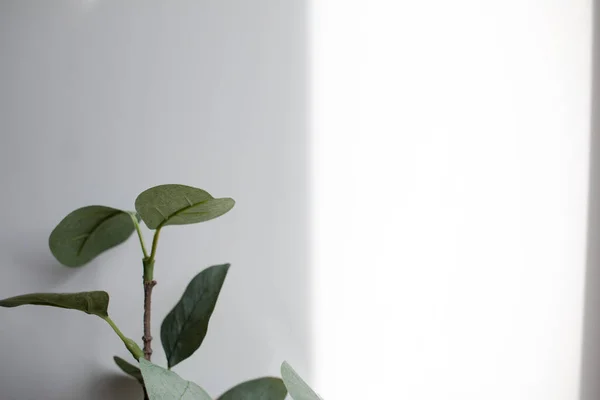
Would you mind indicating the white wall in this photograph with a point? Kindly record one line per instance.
(98, 101)
(450, 171)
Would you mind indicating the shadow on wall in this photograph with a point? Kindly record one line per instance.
(590, 373)
(113, 386)
(36, 264)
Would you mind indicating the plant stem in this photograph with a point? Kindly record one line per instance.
(148, 270)
(155, 243)
(139, 233)
(149, 284)
(147, 315)
(133, 348)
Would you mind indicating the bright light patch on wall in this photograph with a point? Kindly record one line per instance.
(450, 156)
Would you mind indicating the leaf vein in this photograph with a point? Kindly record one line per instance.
(178, 212)
(102, 221)
(187, 386)
(188, 317)
(160, 212)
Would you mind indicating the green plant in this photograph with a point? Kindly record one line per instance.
(89, 231)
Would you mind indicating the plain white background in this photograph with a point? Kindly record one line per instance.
(450, 166)
(100, 100)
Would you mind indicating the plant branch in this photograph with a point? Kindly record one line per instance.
(147, 338)
(149, 284)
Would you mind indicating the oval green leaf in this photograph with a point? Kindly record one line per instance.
(129, 369)
(257, 389)
(299, 390)
(185, 327)
(95, 303)
(162, 384)
(179, 205)
(88, 231)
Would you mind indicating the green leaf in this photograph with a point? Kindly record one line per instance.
(258, 389)
(86, 232)
(162, 384)
(185, 327)
(179, 205)
(129, 369)
(299, 390)
(95, 303)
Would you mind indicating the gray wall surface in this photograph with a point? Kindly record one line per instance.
(590, 364)
(100, 100)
